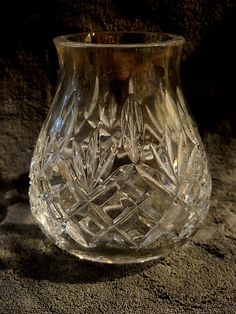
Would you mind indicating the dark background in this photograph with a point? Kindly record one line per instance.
(28, 61)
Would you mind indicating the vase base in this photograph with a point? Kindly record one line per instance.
(106, 253)
(122, 256)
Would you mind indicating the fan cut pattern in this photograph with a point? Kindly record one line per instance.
(123, 177)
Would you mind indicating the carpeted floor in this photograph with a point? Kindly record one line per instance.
(36, 277)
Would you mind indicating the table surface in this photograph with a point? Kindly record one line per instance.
(36, 277)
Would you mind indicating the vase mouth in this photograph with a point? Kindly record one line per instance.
(119, 40)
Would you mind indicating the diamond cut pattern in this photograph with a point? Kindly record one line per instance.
(124, 177)
(135, 227)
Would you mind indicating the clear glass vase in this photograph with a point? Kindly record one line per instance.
(119, 173)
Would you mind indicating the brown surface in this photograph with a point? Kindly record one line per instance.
(36, 277)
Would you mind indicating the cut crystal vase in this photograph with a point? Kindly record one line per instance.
(119, 173)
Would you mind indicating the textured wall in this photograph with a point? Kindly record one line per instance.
(28, 61)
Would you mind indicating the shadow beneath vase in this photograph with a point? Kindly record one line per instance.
(31, 255)
(28, 253)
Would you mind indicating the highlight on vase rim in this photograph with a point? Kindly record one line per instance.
(114, 39)
(119, 172)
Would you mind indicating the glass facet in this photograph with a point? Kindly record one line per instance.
(119, 173)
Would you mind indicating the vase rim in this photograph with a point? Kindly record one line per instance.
(150, 39)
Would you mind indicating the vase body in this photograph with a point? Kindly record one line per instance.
(119, 173)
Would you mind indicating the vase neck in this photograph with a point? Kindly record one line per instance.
(145, 65)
